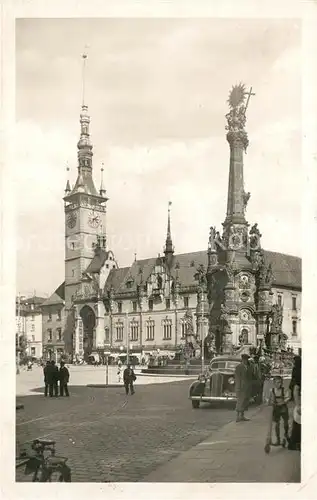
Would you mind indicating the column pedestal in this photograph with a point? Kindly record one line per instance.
(99, 340)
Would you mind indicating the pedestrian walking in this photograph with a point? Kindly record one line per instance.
(243, 383)
(128, 379)
(63, 380)
(119, 372)
(295, 438)
(279, 398)
(55, 377)
(47, 370)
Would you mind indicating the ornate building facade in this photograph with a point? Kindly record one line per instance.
(232, 294)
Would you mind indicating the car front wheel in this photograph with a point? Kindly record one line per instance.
(195, 403)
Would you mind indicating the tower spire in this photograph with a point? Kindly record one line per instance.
(169, 249)
(237, 138)
(67, 188)
(102, 190)
(84, 57)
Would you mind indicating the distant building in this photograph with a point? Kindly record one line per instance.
(225, 293)
(53, 324)
(29, 325)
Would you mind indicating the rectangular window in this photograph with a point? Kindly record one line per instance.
(32, 351)
(185, 301)
(119, 307)
(294, 328)
(184, 329)
(49, 334)
(151, 305)
(134, 306)
(168, 303)
(107, 335)
(33, 327)
(294, 308)
(134, 329)
(73, 273)
(150, 329)
(167, 329)
(59, 334)
(59, 315)
(49, 316)
(32, 317)
(279, 300)
(33, 338)
(119, 332)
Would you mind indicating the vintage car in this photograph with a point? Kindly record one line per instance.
(219, 383)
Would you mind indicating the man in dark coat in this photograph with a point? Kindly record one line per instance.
(63, 379)
(243, 383)
(128, 379)
(55, 377)
(48, 380)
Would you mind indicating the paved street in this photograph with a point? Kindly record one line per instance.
(31, 382)
(110, 437)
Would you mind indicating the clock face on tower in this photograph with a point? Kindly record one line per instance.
(71, 220)
(94, 219)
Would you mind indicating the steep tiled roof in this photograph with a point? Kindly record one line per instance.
(30, 305)
(32, 300)
(286, 270)
(57, 297)
(97, 261)
(88, 184)
(116, 277)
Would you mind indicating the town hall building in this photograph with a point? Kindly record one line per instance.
(230, 294)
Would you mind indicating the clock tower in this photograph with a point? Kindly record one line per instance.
(85, 213)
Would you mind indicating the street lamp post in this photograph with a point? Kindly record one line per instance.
(107, 369)
(128, 346)
(202, 335)
(18, 343)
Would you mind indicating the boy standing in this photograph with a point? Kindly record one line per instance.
(279, 397)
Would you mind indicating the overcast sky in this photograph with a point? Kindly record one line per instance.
(156, 91)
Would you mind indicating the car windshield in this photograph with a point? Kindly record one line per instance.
(218, 364)
(221, 365)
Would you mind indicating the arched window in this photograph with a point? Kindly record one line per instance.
(244, 337)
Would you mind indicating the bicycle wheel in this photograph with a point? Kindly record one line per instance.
(59, 475)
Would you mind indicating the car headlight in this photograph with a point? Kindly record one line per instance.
(231, 381)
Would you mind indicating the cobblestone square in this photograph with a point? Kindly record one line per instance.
(110, 437)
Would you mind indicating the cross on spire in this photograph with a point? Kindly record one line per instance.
(248, 99)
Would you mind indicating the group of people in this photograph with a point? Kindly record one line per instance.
(279, 398)
(54, 375)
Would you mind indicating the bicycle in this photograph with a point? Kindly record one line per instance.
(45, 468)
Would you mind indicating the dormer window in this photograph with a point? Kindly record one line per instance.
(129, 283)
